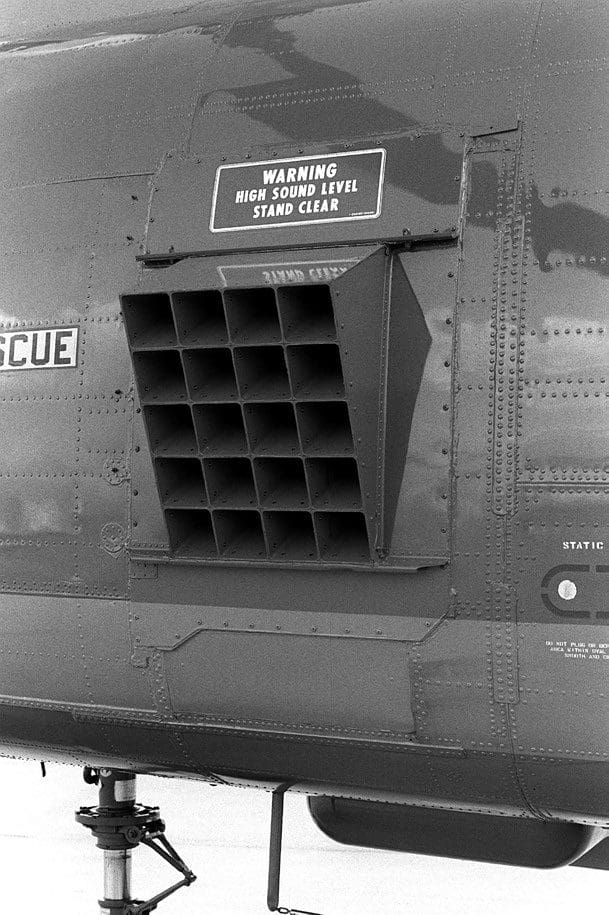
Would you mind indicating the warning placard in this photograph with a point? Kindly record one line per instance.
(297, 191)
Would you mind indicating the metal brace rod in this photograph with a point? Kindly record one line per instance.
(272, 895)
(170, 855)
(143, 908)
(275, 840)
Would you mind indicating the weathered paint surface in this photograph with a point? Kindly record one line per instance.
(491, 686)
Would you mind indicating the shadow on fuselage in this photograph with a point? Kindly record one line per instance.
(577, 232)
(431, 171)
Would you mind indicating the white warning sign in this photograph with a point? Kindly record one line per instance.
(337, 187)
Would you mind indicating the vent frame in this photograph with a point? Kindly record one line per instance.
(240, 415)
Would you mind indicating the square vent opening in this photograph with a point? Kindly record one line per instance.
(249, 425)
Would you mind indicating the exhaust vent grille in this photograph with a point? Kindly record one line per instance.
(248, 422)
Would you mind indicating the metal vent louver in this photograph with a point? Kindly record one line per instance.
(248, 423)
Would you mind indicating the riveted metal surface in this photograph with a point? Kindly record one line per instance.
(562, 392)
(150, 629)
(190, 232)
(273, 664)
(493, 120)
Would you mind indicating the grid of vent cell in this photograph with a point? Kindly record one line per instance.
(245, 409)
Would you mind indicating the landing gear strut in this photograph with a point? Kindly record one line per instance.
(119, 825)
